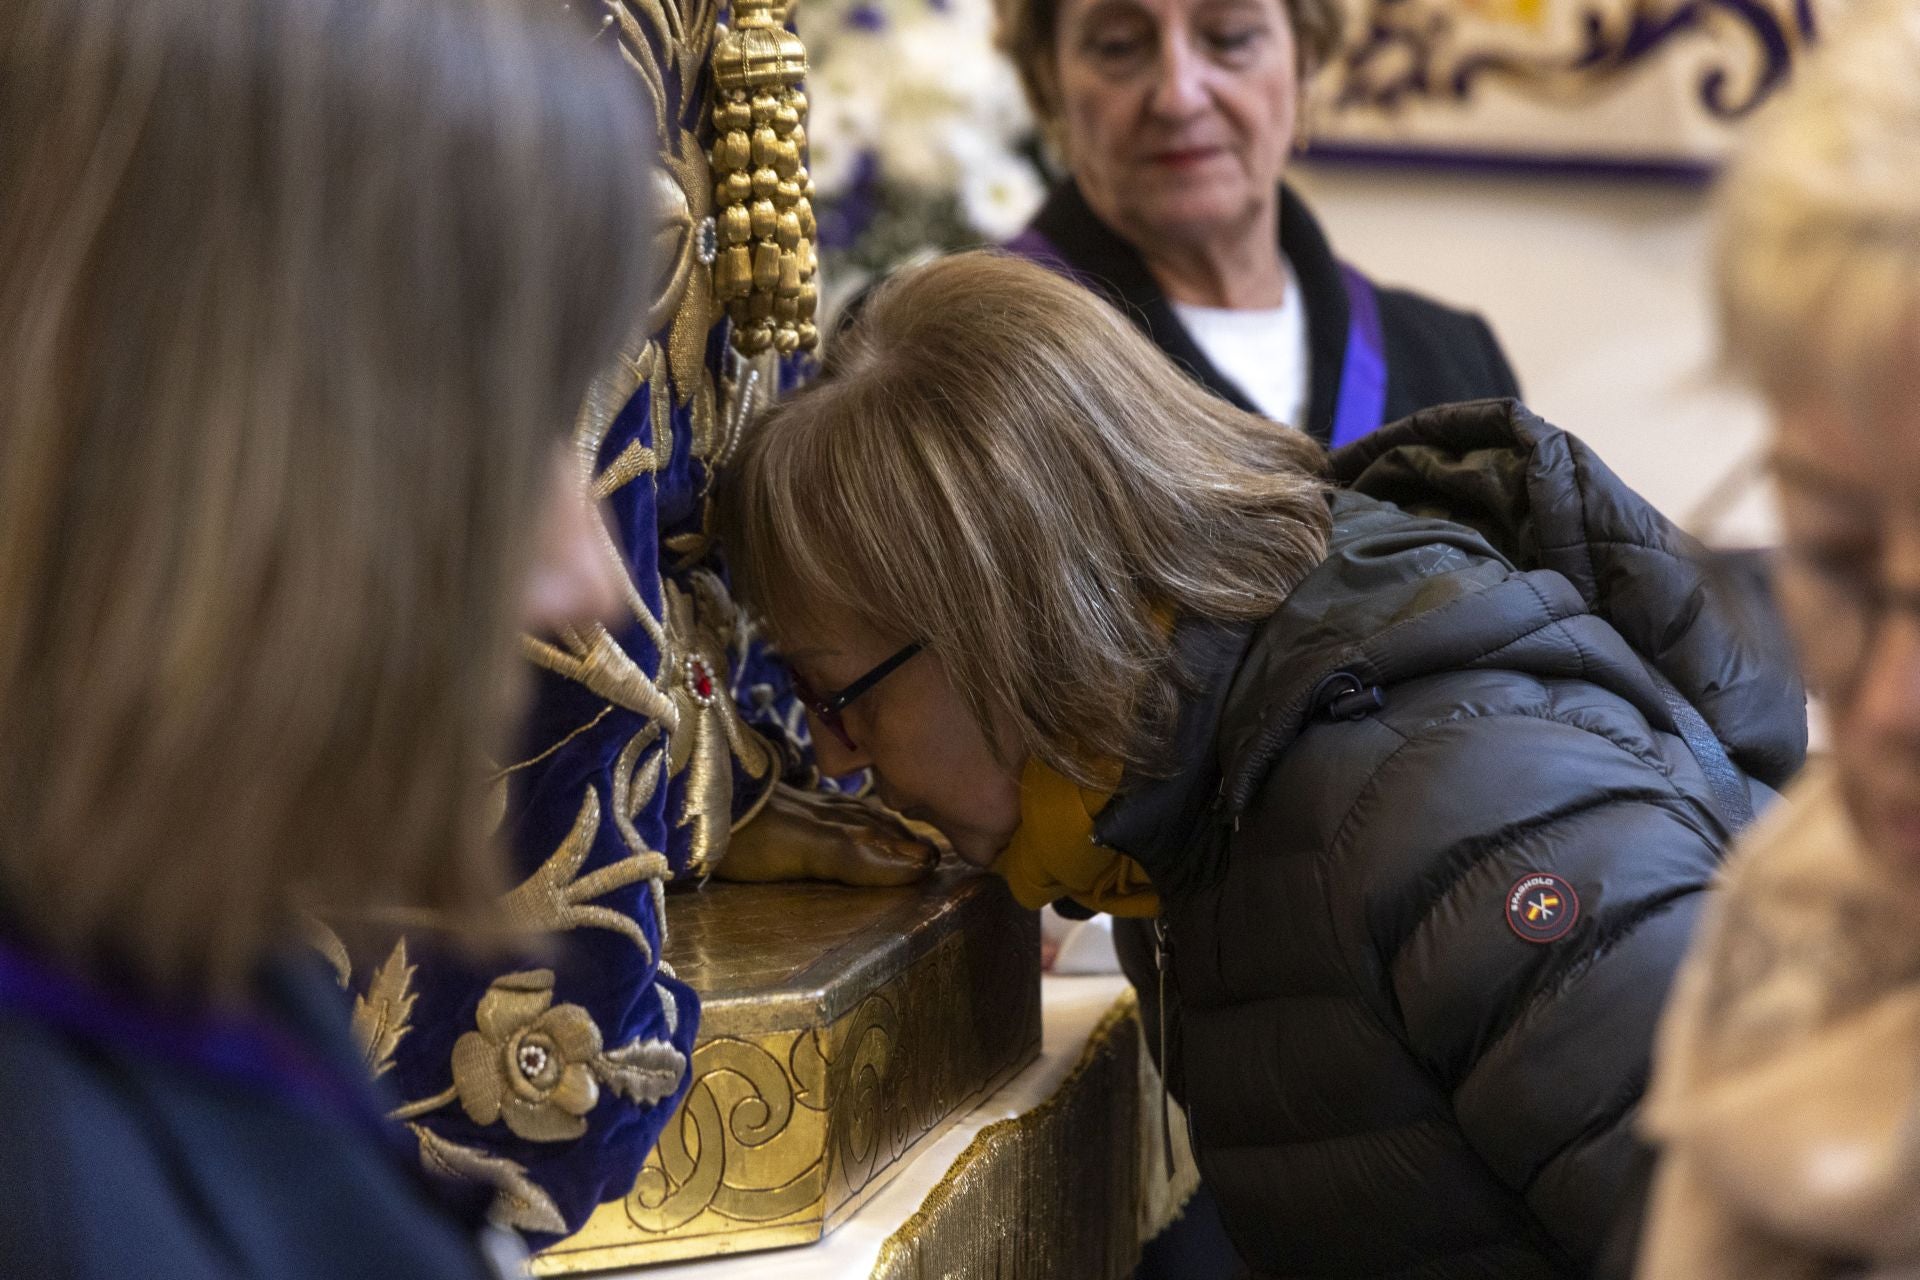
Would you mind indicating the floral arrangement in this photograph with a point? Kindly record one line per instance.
(921, 140)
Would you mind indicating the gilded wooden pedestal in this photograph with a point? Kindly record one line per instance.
(841, 1027)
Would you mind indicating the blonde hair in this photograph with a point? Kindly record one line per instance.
(1818, 255)
(1027, 31)
(997, 465)
(297, 298)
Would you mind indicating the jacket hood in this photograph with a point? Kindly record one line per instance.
(1510, 545)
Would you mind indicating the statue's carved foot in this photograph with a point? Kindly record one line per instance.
(816, 835)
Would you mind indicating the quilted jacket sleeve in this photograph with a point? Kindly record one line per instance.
(1525, 872)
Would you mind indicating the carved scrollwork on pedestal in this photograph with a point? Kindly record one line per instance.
(735, 1147)
(864, 1075)
(803, 1123)
(841, 1031)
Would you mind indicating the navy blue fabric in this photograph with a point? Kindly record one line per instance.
(600, 970)
(571, 745)
(1362, 406)
(118, 1162)
(597, 969)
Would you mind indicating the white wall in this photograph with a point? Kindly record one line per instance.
(1597, 289)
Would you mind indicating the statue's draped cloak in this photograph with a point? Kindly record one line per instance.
(549, 1076)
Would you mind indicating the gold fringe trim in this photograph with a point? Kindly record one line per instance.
(1049, 1195)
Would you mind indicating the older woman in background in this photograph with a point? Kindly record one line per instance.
(1787, 1096)
(1175, 120)
(297, 300)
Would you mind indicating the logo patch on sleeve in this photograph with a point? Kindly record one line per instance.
(1542, 907)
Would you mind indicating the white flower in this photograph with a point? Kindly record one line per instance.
(1006, 102)
(836, 139)
(917, 108)
(845, 114)
(915, 152)
(930, 132)
(929, 98)
(999, 194)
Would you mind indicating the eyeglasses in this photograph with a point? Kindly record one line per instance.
(827, 708)
(1842, 607)
(1836, 601)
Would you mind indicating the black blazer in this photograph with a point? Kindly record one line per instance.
(1435, 355)
(119, 1161)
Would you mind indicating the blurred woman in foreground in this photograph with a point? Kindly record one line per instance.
(297, 299)
(1787, 1097)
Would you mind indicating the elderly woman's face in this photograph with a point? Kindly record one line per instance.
(1178, 114)
(930, 761)
(1850, 584)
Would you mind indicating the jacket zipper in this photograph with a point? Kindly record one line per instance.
(1162, 961)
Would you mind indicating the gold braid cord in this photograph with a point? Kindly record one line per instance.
(762, 194)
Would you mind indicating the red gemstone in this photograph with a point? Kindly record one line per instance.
(702, 682)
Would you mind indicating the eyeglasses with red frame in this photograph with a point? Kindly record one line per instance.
(827, 708)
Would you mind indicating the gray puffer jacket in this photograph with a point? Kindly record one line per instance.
(1434, 848)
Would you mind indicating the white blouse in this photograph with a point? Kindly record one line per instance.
(1263, 351)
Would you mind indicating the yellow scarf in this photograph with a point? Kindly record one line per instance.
(1052, 854)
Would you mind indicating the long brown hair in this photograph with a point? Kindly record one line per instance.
(297, 298)
(997, 465)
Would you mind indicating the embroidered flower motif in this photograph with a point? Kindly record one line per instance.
(529, 1063)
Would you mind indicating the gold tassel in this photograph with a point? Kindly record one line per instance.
(762, 193)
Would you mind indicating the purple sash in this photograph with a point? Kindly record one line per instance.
(1037, 249)
(233, 1047)
(1360, 405)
